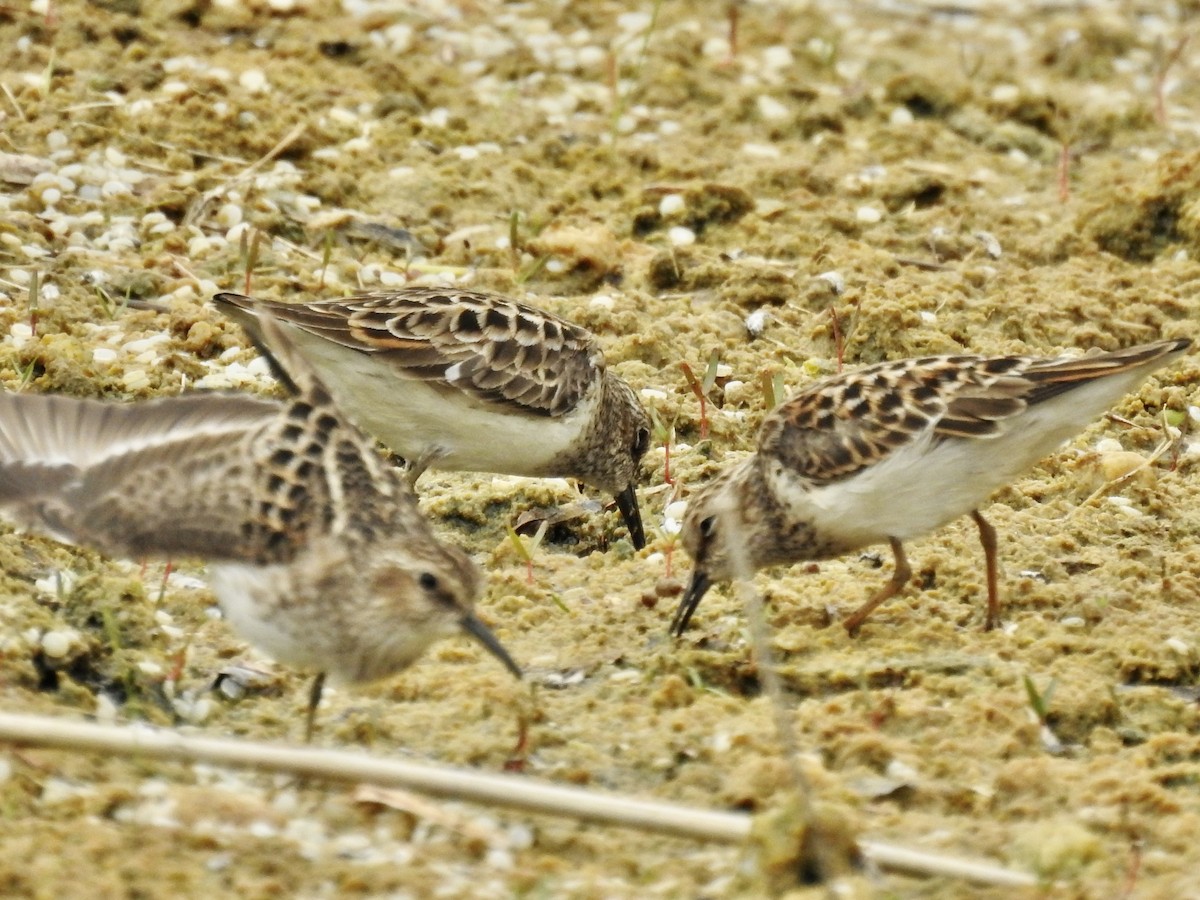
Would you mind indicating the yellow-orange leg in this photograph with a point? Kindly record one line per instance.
(900, 576)
(987, 537)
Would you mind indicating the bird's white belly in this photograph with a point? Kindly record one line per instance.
(249, 595)
(414, 417)
(921, 487)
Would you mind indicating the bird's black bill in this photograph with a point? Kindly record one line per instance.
(627, 503)
(687, 606)
(483, 634)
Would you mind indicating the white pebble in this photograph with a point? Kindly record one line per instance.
(761, 151)
(57, 644)
(601, 301)
(771, 109)
(991, 246)
(141, 345)
(868, 214)
(735, 391)
(899, 770)
(104, 355)
(106, 710)
(834, 279)
(1073, 622)
(676, 510)
(928, 317)
(230, 214)
(135, 379)
(1005, 93)
(756, 322)
(671, 204)
(253, 80)
(1180, 646)
(901, 116)
(681, 236)
(777, 57)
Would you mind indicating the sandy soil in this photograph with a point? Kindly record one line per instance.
(929, 178)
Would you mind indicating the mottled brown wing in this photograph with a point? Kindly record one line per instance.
(490, 347)
(197, 497)
(46, 441)
(843, 424)
(259, 496)
(162, 478)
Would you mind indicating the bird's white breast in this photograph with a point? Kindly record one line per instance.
(249, 596)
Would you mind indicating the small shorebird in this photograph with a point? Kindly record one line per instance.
(894, 451)
(468, 381)
(318, 553)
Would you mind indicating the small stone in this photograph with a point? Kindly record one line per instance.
(681, 236)
(671, 204)
(57, 644)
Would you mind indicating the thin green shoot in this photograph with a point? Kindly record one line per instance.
(26, 375)
(35, 296)
(710, 373)
(162, 588)
(514, 240)
(112, 631)
(326, 256)
(701, 387)
(533, 269)
(773, 389)
(664, 432)
(1039, 701)
(249, 248)
(620, 100)
(526, 547)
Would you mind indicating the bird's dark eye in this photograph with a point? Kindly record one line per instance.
(428, 581)
(708, 526)
(641, 443)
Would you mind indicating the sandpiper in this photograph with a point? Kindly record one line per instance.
(894, 451)
(318, 553)
(470, 381)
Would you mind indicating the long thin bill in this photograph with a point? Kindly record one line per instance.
(691, 599)
(472, 626)
(627, 503)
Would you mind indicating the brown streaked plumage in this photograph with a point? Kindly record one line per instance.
(318, 553)
(894, 451)
(470, 381)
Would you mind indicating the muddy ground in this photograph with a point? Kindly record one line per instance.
(873, 181)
